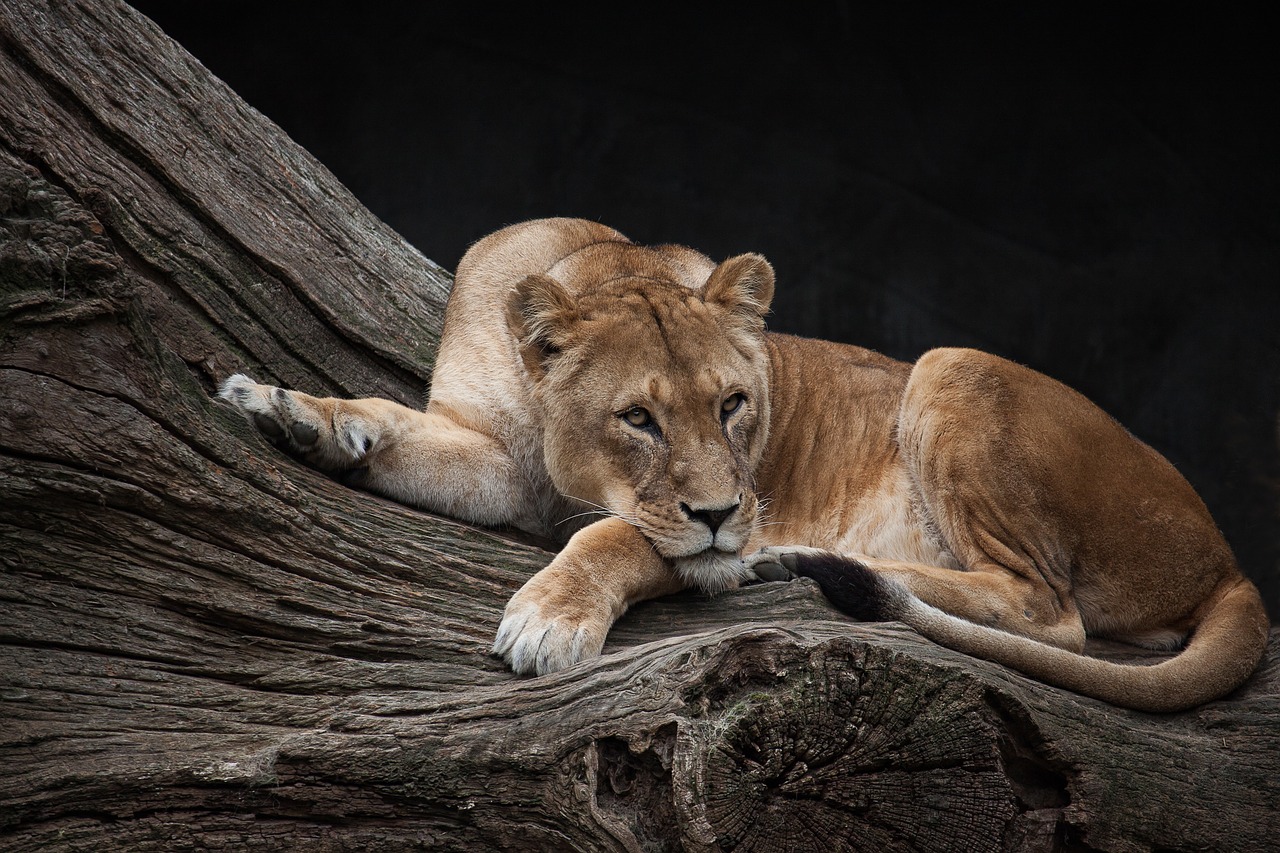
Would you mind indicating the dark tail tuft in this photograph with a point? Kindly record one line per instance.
(848, 584)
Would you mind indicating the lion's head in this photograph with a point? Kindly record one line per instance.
(654, 394)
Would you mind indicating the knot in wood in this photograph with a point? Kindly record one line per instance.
(860, 749)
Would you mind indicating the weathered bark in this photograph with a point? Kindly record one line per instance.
(206, 645)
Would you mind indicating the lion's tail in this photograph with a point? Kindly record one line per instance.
(1223, 650)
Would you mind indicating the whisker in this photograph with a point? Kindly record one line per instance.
(646, 529)
(763, 518)
(588, 503)
(631, 518)
(605, 512)
(600, 512)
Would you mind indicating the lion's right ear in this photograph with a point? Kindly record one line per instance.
(541, 314)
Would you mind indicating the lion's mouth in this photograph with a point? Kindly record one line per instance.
(712, 569)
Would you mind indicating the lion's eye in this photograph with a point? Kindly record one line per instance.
(732, 403)
(637, 417)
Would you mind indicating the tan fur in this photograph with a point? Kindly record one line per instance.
(582, 377)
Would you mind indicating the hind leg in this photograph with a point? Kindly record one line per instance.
(991, 596)
(972, 436)
(418, 458)
(874, 590)
(973, 431)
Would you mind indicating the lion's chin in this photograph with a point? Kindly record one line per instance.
(712, 570)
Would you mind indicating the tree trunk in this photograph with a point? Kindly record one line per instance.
(204, 644)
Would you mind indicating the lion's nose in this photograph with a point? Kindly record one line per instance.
(712, 518)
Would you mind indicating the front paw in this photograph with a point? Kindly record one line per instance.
(546, 628)
(301, 424)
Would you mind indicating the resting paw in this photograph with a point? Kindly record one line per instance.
(778, 562)
(308, 426)
(541, 632)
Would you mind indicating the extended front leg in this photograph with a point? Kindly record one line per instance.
(562, 614)
(422, 459)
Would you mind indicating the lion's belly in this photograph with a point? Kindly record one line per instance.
(890, 524)
(886, 522)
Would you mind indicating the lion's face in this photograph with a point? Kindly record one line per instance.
(655, 402)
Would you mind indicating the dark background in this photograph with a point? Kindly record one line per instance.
(1090, 192)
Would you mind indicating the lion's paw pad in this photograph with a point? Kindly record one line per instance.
(772, 570)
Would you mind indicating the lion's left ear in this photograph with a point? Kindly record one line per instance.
(743, 285)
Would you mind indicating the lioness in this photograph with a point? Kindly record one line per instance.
(628, 400)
